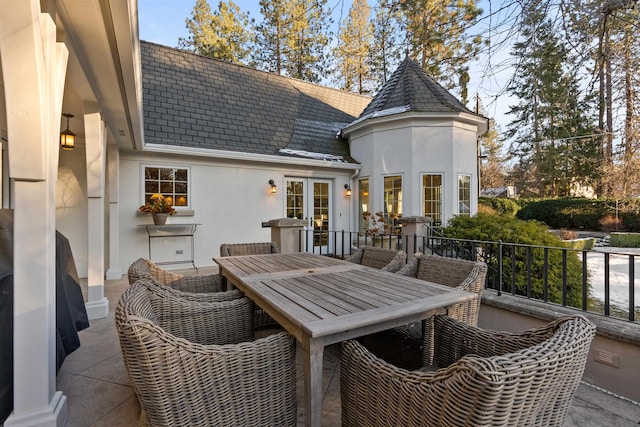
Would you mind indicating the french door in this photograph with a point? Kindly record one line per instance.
(310, 199)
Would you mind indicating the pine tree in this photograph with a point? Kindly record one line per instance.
(223, 34)
(492, 170)
(271, 35)
(552, 132)
(438, 40)
(354, 47)
(387, 33)
(306, 40)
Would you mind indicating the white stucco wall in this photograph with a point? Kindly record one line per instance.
(411, 147)
(230, 199)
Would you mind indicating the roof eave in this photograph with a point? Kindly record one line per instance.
(481, 122)
(243, 156)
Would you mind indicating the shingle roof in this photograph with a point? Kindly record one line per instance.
(410, 89)
(195, 101)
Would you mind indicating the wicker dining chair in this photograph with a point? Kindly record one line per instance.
(167, 291)
(236, 249)
(480, 378)
(382, 258)
(193, 364)
(453, 272)
(194, 284)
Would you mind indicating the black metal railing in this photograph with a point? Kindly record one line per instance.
(588, 280)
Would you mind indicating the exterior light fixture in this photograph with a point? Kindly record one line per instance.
(347, 191)
(273, 186)
(67, 138)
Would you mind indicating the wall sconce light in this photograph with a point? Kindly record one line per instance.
(347, 191)
(67, 138)
(273, 186)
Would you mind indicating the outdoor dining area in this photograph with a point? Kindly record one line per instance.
(221, 349)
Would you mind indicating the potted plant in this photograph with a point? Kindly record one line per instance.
(159, 207)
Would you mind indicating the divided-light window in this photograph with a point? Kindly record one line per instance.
(464, 195)
(170, 182)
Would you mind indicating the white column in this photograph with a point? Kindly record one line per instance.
(96, 145)
(114, 271)
(34, 68)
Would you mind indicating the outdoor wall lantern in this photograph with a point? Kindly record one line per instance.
(67, 138)
(347, 190)
(273, 186)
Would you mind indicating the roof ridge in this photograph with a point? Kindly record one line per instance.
(267, 73)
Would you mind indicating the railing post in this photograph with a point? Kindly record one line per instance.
(284, 232)
(499, 267)
(417, 226)
(632, 275)
(564, 277)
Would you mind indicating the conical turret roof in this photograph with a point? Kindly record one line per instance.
(410, 89)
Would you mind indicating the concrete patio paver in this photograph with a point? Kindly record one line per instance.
(99, 393)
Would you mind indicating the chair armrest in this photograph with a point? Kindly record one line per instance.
(396, 263)
(411, 267)
(355, 257)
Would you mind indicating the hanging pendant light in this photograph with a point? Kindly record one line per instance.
(67, 138)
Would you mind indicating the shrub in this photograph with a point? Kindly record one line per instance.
(630, 220)
(485, 209)
(503, 206)
(610, 223)
(625, 240)
(581, 244)
(511, 230)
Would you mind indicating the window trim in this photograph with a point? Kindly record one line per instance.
(458, 192)
(179, 209)
(442, 195)
(384, 204)
(362, 226)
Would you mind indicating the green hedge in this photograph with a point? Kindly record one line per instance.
(625, 240)
(581, 244)
(573, 213)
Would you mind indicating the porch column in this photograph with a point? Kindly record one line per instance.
(114, 271)
(34, 67)
(96, 144)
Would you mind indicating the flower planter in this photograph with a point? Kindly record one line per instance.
(160, 218)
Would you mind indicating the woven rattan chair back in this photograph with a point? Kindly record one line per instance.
(481, 378)
(382, 258)
(143, 267)
(184, 372)
(236, 249)
(456, 273)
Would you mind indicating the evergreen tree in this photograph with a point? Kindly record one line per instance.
(306, 40)
(492, 170)
(271, 35)
(354, 47)
(387, 33)
(549, 119)
(223, 34)
(438, 39)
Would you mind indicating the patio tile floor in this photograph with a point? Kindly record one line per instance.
(99, 393)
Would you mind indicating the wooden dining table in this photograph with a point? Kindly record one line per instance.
(322, 300)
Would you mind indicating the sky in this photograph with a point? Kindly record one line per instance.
(163, 22)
